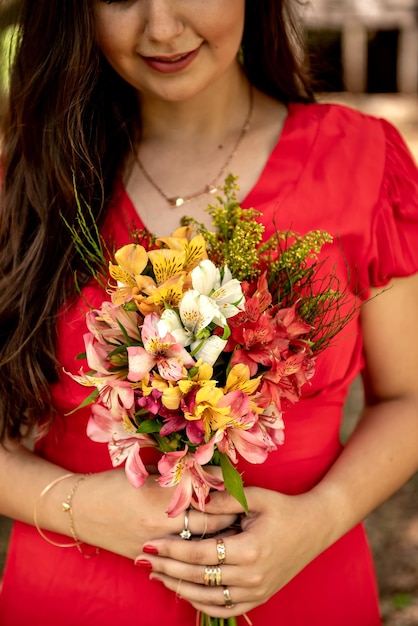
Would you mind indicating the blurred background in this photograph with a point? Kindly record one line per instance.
(363, 53)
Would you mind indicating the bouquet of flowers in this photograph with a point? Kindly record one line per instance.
(205, 339)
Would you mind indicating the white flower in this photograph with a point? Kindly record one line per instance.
(226, 293)
(208, 349)
(170, 323)
(195, 313)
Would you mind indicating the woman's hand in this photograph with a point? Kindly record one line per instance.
(278, 538)
(112, 514)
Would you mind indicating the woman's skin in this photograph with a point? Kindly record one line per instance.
(191, 116)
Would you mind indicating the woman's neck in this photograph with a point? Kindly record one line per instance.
(210, 115)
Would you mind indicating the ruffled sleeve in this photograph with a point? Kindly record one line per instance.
(394, 236)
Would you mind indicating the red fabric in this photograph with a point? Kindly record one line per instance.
(332, 169)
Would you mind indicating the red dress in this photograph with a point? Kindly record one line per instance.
(333, 169)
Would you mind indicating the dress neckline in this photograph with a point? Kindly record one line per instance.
(283, 167)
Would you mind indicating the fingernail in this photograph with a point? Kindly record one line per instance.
(143, 563)
(150, 549)
(155, 578)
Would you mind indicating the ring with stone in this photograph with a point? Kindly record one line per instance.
(185, 533)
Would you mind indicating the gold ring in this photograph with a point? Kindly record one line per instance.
(227, 596)
(185, 533)
(213, 576)
(178, 588)
(221, 551)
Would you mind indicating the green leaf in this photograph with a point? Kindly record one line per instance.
(233, 481)
(91, 398)
(227, 333)
(149, 426)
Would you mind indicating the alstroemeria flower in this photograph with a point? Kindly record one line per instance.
(271, 420)
(168, 389)
(154, 298)
(184, 471)
(116, 393)
(239, 377)
(226, 294)
(167, 264)
(123, 442)
(207, 406)
(208, 350)
(159, 350)
(196, 312)
(131, 261)
(105, 323)
(193, 247)
(285, 379)
(240, 431)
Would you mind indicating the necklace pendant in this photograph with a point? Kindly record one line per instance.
(175, 202)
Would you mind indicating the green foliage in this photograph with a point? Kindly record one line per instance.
(88, 241)
(294, 272)
(233, 481)
(238, 235)
(402, 600)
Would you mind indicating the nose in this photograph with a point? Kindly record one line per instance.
(162, 21)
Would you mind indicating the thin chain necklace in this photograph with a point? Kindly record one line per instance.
(178, 201)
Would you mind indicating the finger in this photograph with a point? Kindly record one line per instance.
(208, 576)
(210, 600)
(237, 550)
(221, 502)
(201, 524)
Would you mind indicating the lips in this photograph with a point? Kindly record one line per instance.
(171, 64)
(170, 59)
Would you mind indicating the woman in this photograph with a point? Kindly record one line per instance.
(144, 106)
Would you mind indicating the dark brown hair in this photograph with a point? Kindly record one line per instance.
(68, 122)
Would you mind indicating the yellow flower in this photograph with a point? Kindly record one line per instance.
(239, 378)
(169, 293)
(205, 408)
(131, 262)
(166, 264)
(193, 247)
(202, 378)
(133, 258)
(171, 394)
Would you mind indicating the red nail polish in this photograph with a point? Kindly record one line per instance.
(149, 550)
(143, 563)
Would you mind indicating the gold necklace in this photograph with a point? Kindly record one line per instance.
(177, 201)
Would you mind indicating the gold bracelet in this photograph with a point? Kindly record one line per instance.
(67, 508)
(35, 514)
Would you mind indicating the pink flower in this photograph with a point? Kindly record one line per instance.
(184, 471)
(241, 431)
(159, 350)
(115, 393)
(124, 443)
(105, 323)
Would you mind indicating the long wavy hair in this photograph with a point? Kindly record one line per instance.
(69, 123)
